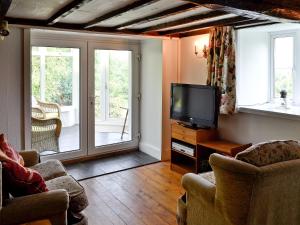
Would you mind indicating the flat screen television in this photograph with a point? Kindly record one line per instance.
(195, 105)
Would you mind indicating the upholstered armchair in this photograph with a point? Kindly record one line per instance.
(51, 205)
(61, 205)
(240, 193)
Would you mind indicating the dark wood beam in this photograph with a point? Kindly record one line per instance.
(223, 22)
(254, 25)
(66, 10)
(133, 6)
(277, 10)
(67, 26)
(194, 33)
(251, 22)
(158, 16)
(4, 6)
(186, 20)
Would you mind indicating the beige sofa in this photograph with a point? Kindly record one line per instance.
(65, 198)
(238, 193)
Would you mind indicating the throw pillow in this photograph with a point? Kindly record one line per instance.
(22, 181)
(10, 151)
(266, 153)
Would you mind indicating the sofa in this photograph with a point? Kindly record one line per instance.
(256, 188)
(61, 205)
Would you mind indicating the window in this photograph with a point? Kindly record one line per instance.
(267, 62)
(282, 73)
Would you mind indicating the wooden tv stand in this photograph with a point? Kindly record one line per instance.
(204, 142)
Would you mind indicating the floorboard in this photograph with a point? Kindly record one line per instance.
(141, 196)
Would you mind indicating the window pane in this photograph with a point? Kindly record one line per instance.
(118, 82)
(112, 96)
(59, 84)
(283, 65)
(55, 79)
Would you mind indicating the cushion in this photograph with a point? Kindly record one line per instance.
(266, 153)
(50, 169)
(20, 180)
(78, 198)
(209, 176)
(10, 151)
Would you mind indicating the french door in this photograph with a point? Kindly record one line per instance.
(113, 97)
(84, 97)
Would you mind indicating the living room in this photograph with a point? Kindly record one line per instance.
(112, 88)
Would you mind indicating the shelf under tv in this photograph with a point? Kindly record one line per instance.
(205, 142)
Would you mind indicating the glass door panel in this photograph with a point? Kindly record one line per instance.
(112, 84)
(55, 99)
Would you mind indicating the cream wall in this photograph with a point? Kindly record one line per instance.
(242, 127)
(11, 88)
(193, 69)
(170, 75)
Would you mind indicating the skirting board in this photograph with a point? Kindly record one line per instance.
(150, 150)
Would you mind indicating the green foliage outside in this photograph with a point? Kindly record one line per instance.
(58, 77)
(117, 82)
(118, 86)
(59, 80)
(36, 77)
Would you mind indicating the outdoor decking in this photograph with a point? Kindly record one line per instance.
(69, 138)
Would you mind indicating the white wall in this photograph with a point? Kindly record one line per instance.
(241, 127)
(11, 87)
(252, 67)
(151, 101)
(193, 69)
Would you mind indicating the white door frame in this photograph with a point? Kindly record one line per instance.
(133, 101)
(87, 43)
(63, 43)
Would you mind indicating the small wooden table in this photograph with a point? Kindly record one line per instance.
(224, 147)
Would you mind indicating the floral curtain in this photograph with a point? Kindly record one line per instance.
(221, 66)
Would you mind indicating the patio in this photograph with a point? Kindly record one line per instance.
(69, 138)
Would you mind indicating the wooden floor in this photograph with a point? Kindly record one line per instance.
(144, 195)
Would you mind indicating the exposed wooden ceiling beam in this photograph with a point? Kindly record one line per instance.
(66, 10)
(160, 15)
(186, 20)
(135, 5)
(194, 33)
(275, 10)
(68, 26)
(223, 22)
(238, 27)
(4, 6)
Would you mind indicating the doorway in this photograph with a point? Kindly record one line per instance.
(84, 98)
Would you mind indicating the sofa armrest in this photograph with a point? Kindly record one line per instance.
(34, 207)
(31, 157)
(198, 186)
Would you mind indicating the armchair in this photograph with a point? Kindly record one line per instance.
(50, 205)
(50, 110)
(61, 205)
(239, 193)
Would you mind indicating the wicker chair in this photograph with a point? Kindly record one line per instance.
(49, 110)
(45, 134)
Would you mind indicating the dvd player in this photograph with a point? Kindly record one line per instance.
(183, 148)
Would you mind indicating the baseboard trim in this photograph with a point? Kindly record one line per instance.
(150, 150)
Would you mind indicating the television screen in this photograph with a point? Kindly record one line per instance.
(195, 104)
